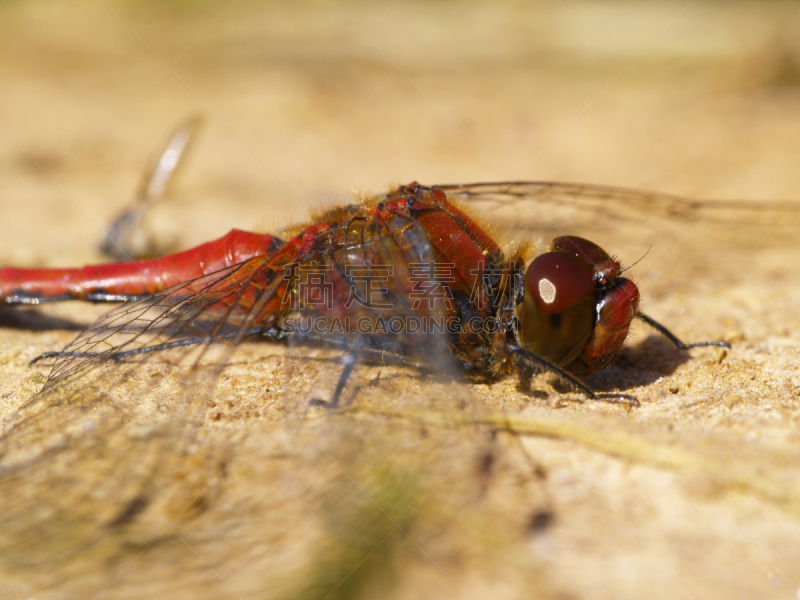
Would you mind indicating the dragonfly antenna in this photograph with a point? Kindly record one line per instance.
(638, 261)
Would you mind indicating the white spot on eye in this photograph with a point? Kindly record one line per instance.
(547, 291)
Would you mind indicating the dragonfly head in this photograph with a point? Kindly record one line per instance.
(577, 310)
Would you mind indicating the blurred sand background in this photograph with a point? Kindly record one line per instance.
(693, 495)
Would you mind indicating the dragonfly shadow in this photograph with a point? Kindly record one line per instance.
(640, 365)
(33, 320)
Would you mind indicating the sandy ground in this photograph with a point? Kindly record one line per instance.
(426, 486)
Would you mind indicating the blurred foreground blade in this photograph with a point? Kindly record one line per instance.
(118, 244)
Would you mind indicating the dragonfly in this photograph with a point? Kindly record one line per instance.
(567, 311)
(411, 277)
(360, 278)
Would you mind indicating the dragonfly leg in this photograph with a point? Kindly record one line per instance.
(674, 339)
(528, 364)
(349, 361)
(397, 354)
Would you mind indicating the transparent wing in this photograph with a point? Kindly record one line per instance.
(109, 450)
(213, 308)
(622, 215)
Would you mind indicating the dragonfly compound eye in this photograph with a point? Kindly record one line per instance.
(588, 251)
(557, 316)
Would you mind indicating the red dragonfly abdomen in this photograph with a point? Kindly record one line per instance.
(122, 281)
